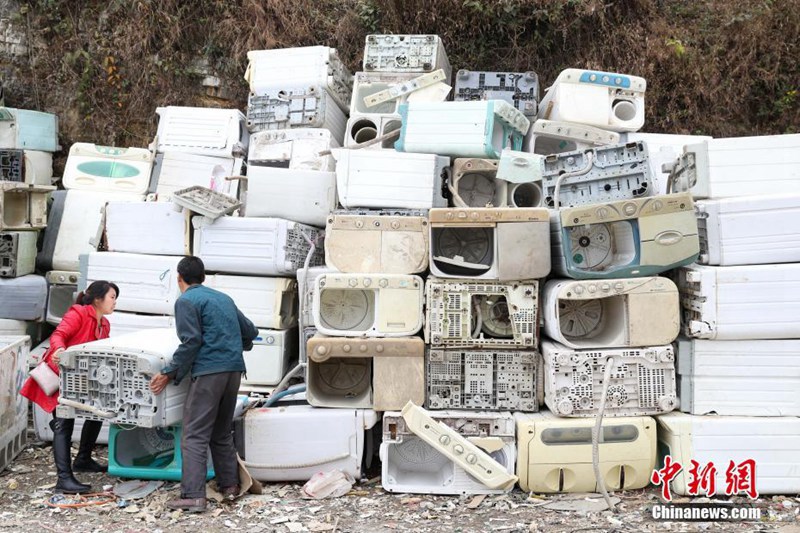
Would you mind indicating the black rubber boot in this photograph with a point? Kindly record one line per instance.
(62, 439)
(83, 461)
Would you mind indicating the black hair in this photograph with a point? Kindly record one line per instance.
(192, 270)
(97, 290)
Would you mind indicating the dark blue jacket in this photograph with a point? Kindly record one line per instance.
(213, 334)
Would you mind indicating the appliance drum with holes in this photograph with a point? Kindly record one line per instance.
(488, 243)
(461, 129)
(772, 442)
(475, 184)
(269, 302)
(348, 372)
(555, 454)
(294, 442)
(411, 465)
(201, 130)
(258, 246)
(149, 283)
(749, 230)
(365, 127)
(737, 166)
(112, 376)
(295, 149)
(520, 89)
(614, 314)
(599, 174)
(642, 380)
(605, 100)
(368, 305)
(723, 377)
(482, 379)
(377, 242)
(481, 314)
(97, 168)
(627, 238)
(720, 302)
(387, 179)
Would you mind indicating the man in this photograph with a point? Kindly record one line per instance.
(213, 334)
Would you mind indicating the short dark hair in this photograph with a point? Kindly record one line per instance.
(97, 290)
(192, 270)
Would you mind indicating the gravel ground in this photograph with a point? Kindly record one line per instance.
(27, 485)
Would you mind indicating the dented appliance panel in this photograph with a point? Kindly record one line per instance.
(740, 302)
(376, 242)
(723, 377)
(613, 314)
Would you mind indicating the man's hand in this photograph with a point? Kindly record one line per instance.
(158, 383)
(56, 356)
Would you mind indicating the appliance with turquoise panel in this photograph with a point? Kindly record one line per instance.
(23, 129)
(461, 129)
(147, 453)
(98, 168)
(626, 238)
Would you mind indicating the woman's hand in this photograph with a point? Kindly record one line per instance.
(56, 356)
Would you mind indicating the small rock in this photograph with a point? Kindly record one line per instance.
(12, 484)
(132, 509)
(295, 527)
(787, 504)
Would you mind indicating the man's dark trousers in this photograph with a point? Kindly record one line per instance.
(207, 421)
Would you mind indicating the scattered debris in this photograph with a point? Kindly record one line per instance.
(330, 484)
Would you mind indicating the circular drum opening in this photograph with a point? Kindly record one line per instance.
(526, 195)
(363, 131)
(624, 110)
(392, 125)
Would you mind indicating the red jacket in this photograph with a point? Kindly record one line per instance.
(79, 325)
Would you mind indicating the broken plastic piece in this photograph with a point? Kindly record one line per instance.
(404, 88)
(206, 202)
(457, 448)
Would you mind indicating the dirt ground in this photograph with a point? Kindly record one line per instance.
(28, 483)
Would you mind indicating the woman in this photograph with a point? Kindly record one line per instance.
(84, 322)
